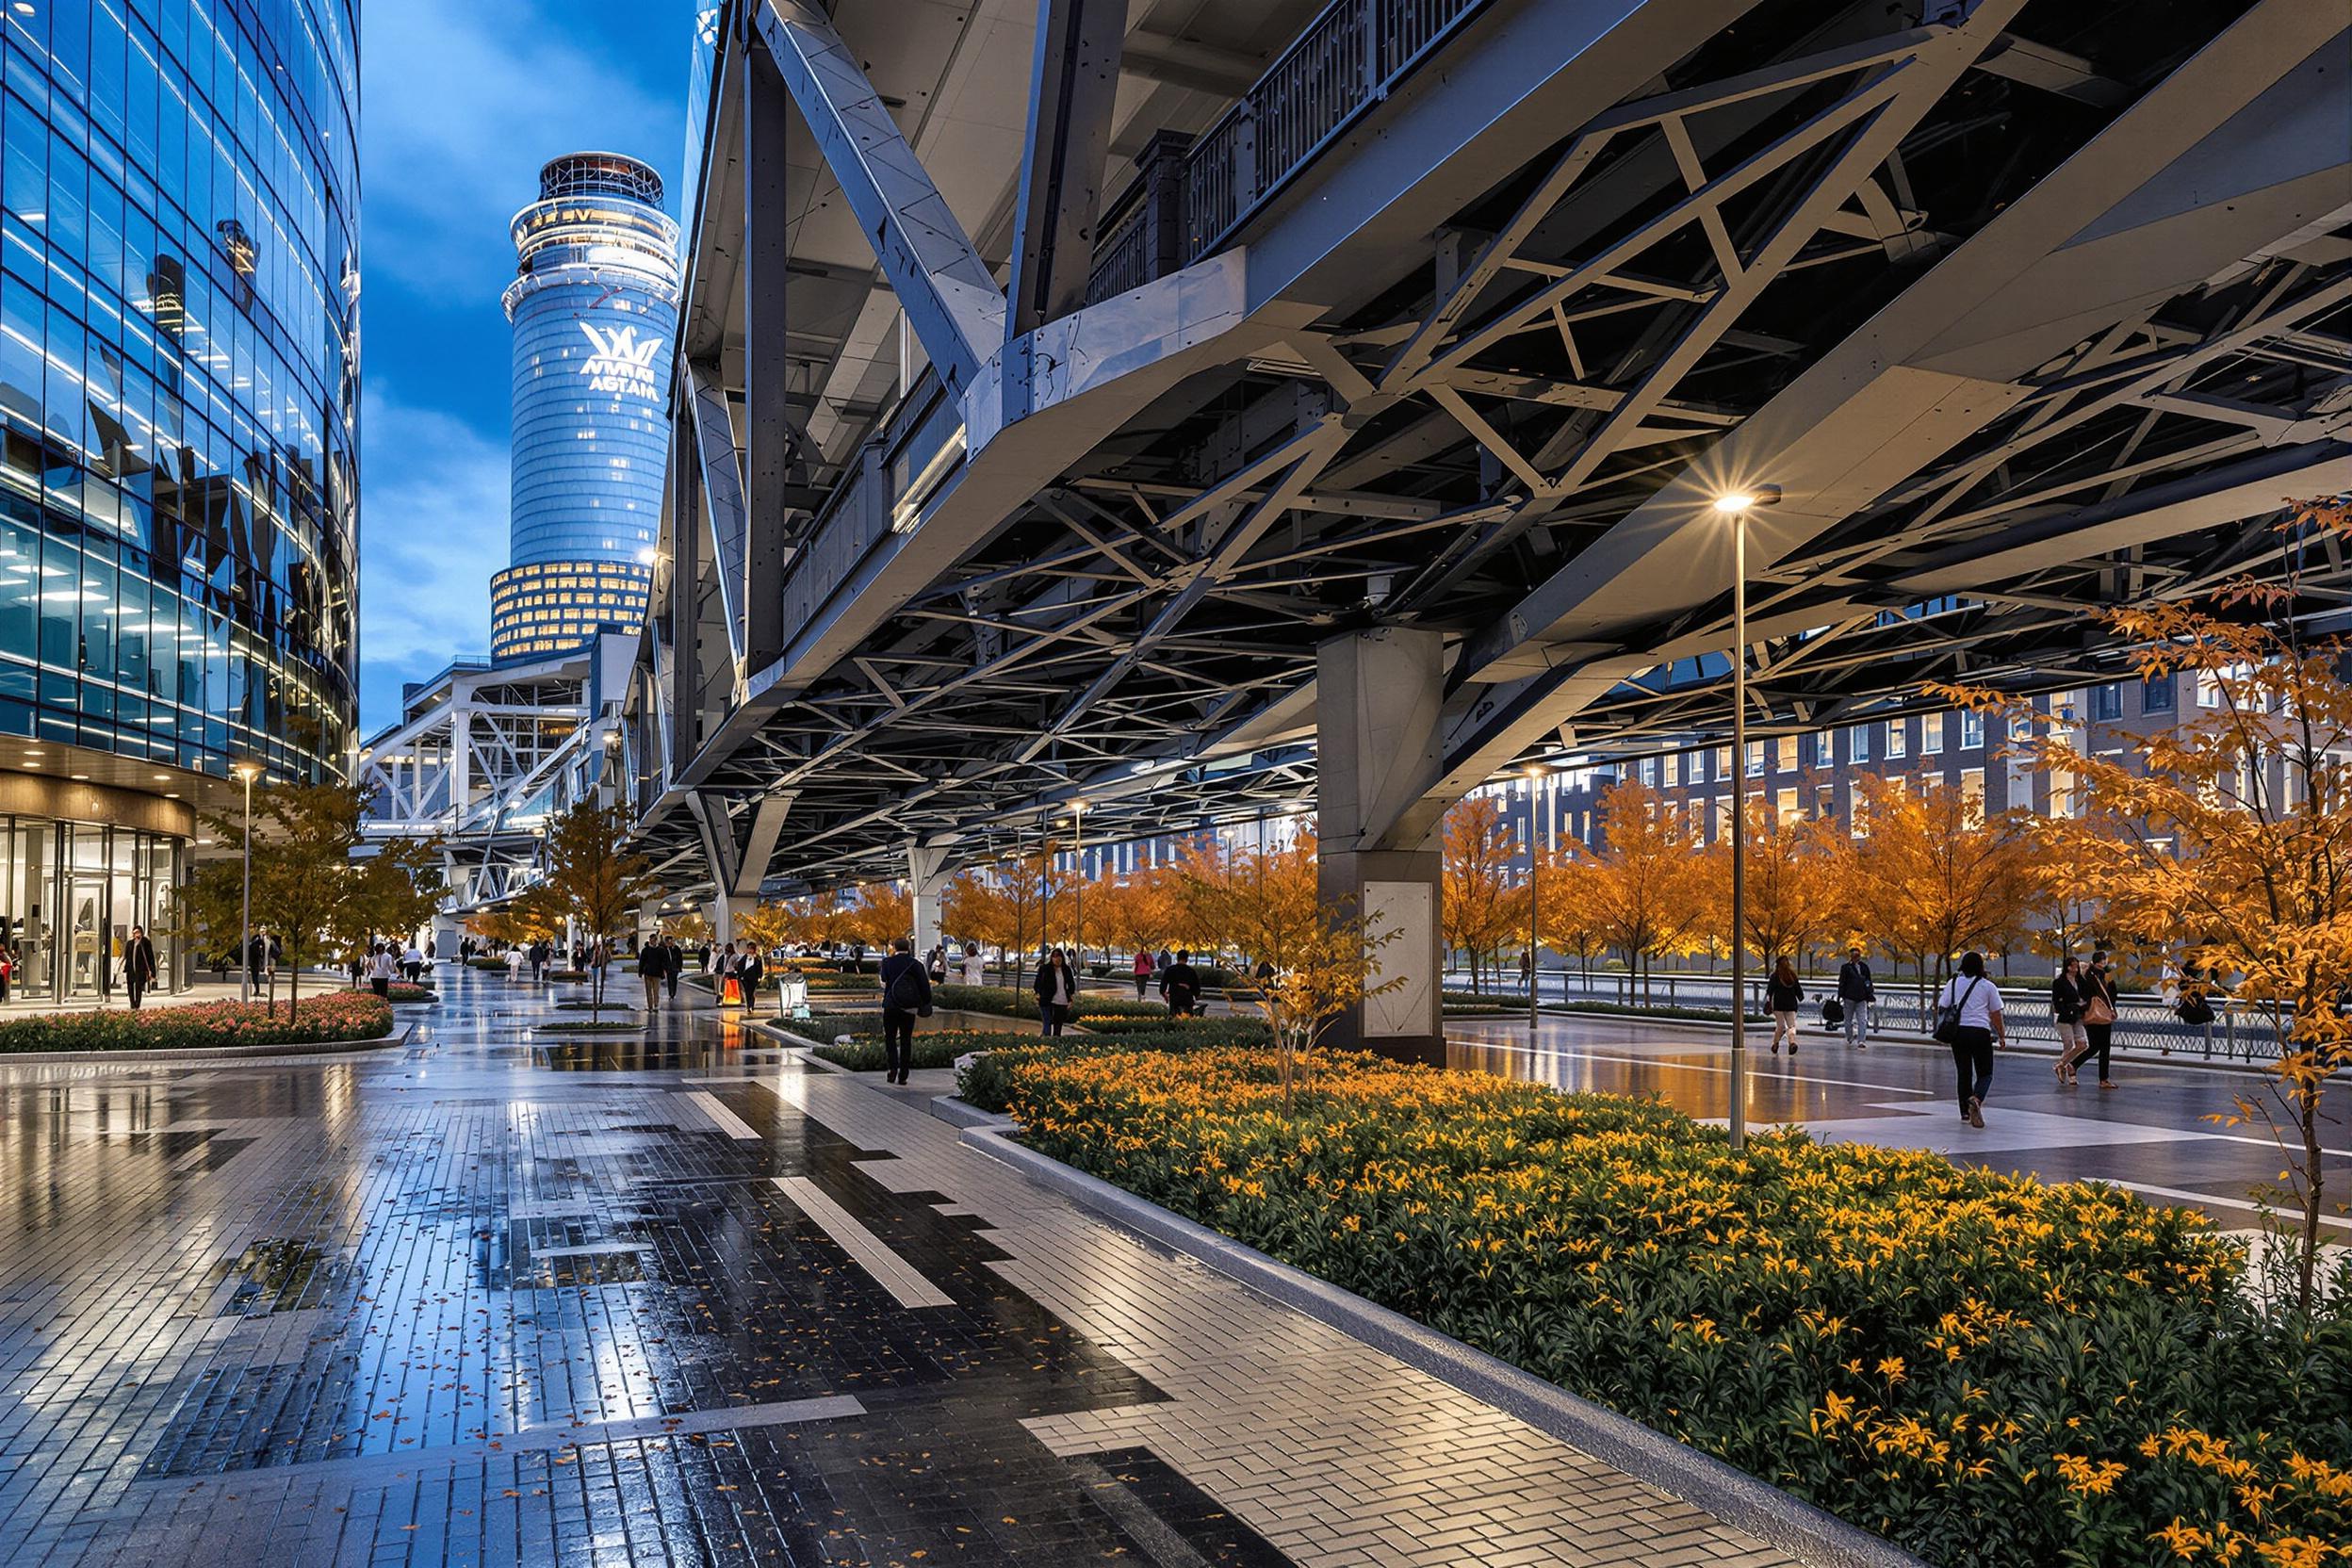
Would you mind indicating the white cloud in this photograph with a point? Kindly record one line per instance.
(433, 528)
(465, 100)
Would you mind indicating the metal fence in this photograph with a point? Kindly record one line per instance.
(2143, 1022)
(1348, 58)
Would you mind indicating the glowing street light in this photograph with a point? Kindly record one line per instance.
(1737, 505)
(1535, 916)
(248, 772)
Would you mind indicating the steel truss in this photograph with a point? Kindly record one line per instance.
(2022, 304)
(486, 753)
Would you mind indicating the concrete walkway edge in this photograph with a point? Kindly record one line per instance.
(1731, 1495)
(197, 1055)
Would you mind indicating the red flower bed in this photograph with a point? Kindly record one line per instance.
(324, 1020)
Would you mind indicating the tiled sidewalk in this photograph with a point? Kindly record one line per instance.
(677, 1299)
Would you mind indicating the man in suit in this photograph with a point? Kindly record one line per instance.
(1855, 992)
(138, 964)
(674, 964)
(653, 962)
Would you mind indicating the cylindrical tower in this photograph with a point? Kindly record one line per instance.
(595, 306)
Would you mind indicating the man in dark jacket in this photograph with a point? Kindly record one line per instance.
(138, 964)
(905, 996)
(1183, 986)
(1855, 992)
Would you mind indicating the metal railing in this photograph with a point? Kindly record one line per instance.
(1348, 58)
(2143, 1022)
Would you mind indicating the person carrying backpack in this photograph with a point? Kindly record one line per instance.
(905, 997)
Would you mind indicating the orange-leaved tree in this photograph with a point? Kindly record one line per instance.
(1794, 883)
(1480, 906)
(2233, 831)
(1263, 902)
(1931, 874)
(1647, 884)
(590, 877)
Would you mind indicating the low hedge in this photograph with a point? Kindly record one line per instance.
(403, 991)
(327, 1019)
(1985, 1369)
(987, 1081)
(938, 1047)
(498, 964)
(591, 1026)
(1021, 1001)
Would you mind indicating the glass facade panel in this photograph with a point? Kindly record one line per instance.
(178, 377)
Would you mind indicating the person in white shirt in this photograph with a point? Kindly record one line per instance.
(1968, 1019)
(382, 969)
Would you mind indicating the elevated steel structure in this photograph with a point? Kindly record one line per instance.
(485, 751)
(1440, 328)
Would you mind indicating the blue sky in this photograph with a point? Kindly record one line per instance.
(461, 101)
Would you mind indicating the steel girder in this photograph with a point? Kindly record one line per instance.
(1901, 267)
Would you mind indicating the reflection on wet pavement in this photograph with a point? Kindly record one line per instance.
(506, 1297)
(2149, 1133)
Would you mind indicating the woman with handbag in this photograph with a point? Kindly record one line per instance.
(2098, 1015)
(1058, 992)
(1782, 997)
(2066, 1012)
(1968, 1019)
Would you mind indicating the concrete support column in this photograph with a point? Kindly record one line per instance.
(1376, 708)
(725, 909)
(926, 877)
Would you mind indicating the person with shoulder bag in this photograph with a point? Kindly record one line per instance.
(1782, 997)
(1968, 1019)
(2066, 1013)
(2099, 1013)
(905, 997)
(1058, 992)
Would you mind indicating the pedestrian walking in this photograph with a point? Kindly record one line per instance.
(750, 969)
(517, 962)
(139, 965)
(1782, 997)
(2066, 1014)
(382, 969)
(652, 968)
(1857, 991)
(975, 965)
(2099, 1014)
(1143, 972)
(1058, 992)
(1181, 985)
(7, 970)
(673, 965)
(905, 997)
(2196, 1006)
(1968, 1019)
(413, 964)
(934, 966)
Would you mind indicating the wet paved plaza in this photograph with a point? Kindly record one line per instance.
(677, 1299)
(2150, 1132)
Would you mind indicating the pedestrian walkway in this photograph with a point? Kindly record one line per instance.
(676, 1298)
(2150, 1132)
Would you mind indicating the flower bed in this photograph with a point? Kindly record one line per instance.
(591, 1026)
(324, 1020)
(1985, 1369)
(987, 1082)
(403, 991)
(1021, 1001)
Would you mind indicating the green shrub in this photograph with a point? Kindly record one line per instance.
(938, 1048)
(330, 1018)
(1986, 1369)
(403, 991)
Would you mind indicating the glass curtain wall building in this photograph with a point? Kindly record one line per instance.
(179, 271)
(594, 307)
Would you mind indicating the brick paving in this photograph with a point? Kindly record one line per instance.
(483, 1300)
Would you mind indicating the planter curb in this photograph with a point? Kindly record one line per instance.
(961, 1113)
(1731, 1495)
(199, 1054)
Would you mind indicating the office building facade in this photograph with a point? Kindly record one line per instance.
(179, 263)
(594, 307)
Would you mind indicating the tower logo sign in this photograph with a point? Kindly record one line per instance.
(620, 361)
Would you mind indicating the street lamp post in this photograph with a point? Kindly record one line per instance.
(1535, 903)
(1737, 505)
(1078, 888)
(245, 918)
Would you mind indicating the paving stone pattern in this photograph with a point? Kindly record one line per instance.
(481, 1301)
